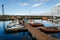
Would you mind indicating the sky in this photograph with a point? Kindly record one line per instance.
(27, 7)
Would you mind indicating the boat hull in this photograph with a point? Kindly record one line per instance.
(49, 31)
(13, 30)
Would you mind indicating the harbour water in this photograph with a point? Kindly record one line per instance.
(22, 35)
(12, 36)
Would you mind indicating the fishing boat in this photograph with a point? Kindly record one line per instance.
(49, 30)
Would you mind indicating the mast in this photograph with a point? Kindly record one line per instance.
(53, 16)
(29, 13)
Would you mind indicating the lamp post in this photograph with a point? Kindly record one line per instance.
(3, 15)
(2, 9)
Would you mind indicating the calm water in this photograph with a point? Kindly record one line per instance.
(50, 24)
(13, 36)
(47, 23)
(22, 35)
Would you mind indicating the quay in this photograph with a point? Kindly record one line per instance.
(37, 33)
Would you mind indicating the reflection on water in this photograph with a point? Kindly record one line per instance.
(47, 23)
(22, 35)
(57, 35)
(13, 36)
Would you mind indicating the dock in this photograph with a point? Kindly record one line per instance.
(37, 33)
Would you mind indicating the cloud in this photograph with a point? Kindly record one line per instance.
(38, 4)
(41, 0)
(58, 4)
(23, 4)
(13, 0)
(46, 0)
(56, 7)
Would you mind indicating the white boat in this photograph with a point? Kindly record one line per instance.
(13, 23)
(10, 25)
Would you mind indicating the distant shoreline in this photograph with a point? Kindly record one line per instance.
(9, 17)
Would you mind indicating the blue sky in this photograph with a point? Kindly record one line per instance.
(26, 7)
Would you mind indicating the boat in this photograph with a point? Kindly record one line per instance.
(16, 28)
(10, 25)
(49, 30)
(13, 23)
(35, 24)
(45, 18)
(13, 30)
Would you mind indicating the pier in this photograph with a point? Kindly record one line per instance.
(37, 33)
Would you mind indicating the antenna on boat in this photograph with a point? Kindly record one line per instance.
(29, 14)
